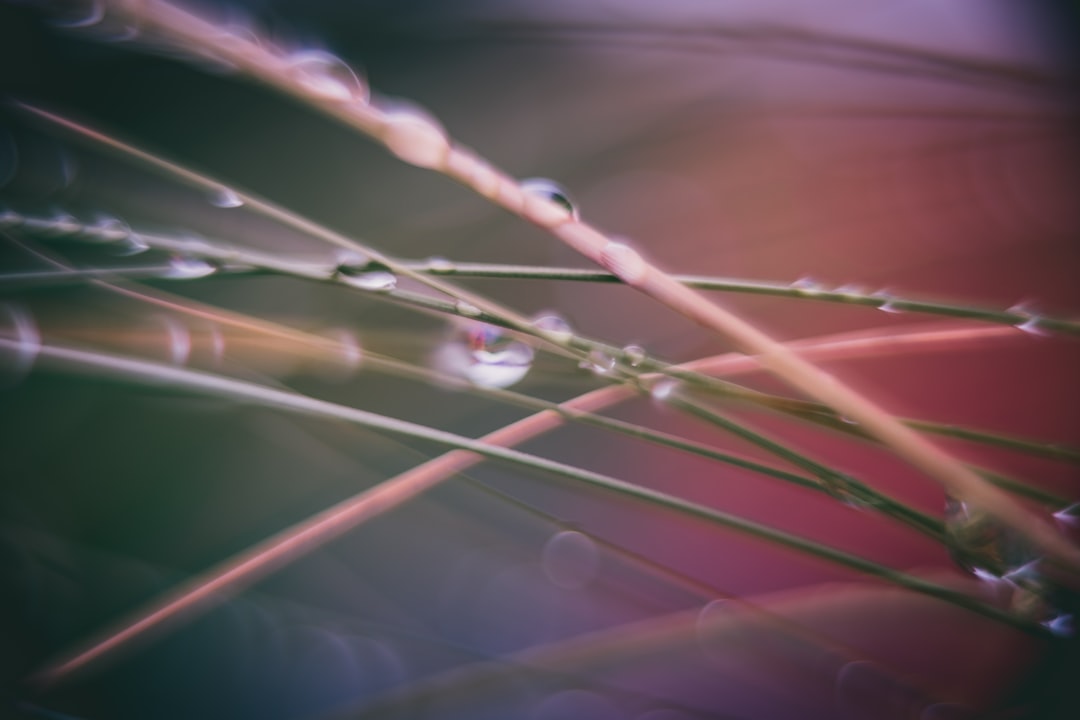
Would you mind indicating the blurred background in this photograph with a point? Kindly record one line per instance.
(921, 148)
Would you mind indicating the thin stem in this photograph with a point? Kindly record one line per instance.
(293, 542)
(803, 291)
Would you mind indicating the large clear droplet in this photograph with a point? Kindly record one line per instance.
(20, 343)
(225, 197)
(368, 276)
(184, 267)
(570, 559)
(624, 261)
(547, 203)
(555, 326)
(108, 228)
(979, 543)
(328, 76)
(485, 356)
(598, 361)
(415, 136)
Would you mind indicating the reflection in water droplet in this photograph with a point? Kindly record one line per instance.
(20, 343)
(633, 355)
(547, 203)
(485, 355)
(570, 559)
(415, 137)
(328, 76)
(555, 326)
(225, 197)
(183, 267)
(598, 361)
(1064, 625)
(439, 265)
(131, 245)
(1032, 326)
(367, 275)
(1068, 516)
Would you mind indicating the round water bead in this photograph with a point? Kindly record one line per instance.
(184, 267)
(978, 542)
(414, 136)
(226, 198)
(570, 559)
(633, 355)
(485, 355)
(328, 76)
(366, 275)
(554, 325)
(598, 361)
(547, 202)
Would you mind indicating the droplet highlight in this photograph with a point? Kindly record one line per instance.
(598, 361)
(485, 356)
(415, 137)
(371, 275)
(570, 559)
(328, 76)
(184, 267)
(633, 355)
(547, 203)
(225, 198)
(555, 326)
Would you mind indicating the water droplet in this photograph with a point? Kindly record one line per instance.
(20, 343)
(570, 559)
(133, 244)
(555, 326)
(624, 261)
(807, 286)
(852, 291)
(225, 197)
(439, 265)
(79, 14)
(486, 356)
(61, 224)
(598, 361)
(107, 228)
(414, 136)
(371, 275)
(467, 309)
(889, 307)
(547, 203)
(979, 543)
(328, 76)
(184, 267)
(633, 355)
(662, 389)
(1027, 320)
(1032, 326)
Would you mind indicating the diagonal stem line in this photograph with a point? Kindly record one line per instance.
(293, 542)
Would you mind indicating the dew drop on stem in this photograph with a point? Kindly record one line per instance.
(226, 198)
(598, 361)
(370, 275)
(185, 267)
(633, 355)
(328, 76)
(414, 136)
(485, 356)
(554, 325)
(547, 203)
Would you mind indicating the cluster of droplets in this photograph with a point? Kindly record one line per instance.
(981, 545)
